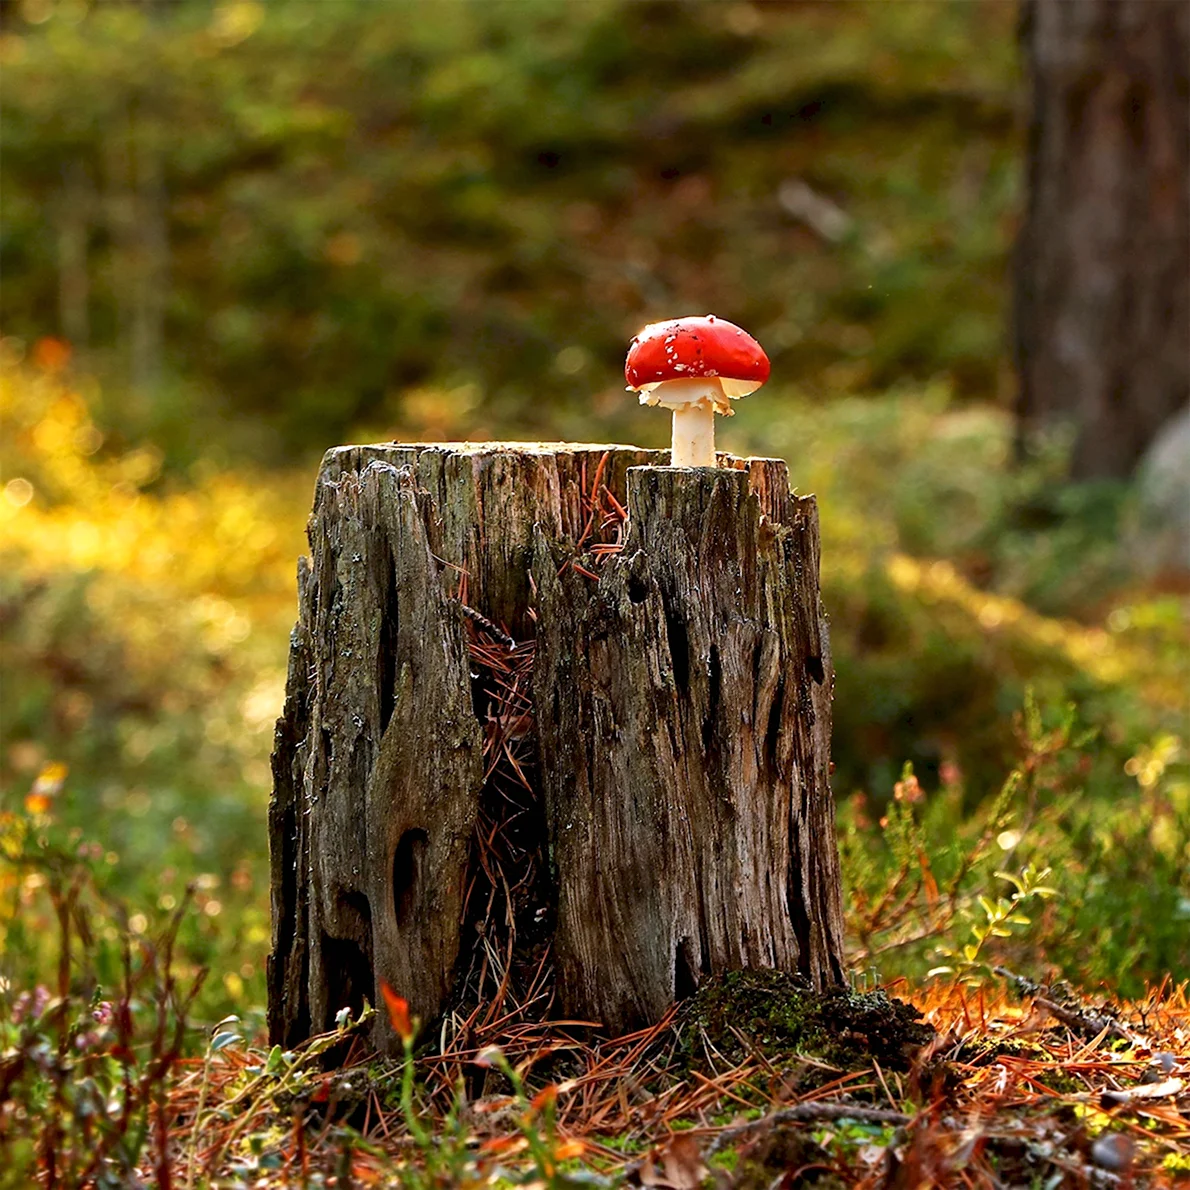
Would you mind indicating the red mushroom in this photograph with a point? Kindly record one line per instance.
(695, 367)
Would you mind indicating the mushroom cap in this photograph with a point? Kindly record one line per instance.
(690, 348)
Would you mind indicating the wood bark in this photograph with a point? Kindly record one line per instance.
(680, 719)
(1102, 310)
(683, 705)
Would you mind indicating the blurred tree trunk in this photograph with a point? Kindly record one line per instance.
(1103, 261)
(136, 221)
(74, 230)
(150, 256)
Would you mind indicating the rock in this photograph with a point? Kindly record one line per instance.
(1161, 538)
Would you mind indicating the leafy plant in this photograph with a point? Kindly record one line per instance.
(86, 1067)
(969, 964)
(925, 875)
(444, 1152)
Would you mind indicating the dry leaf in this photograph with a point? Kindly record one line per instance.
(684, 1166)
(505, 1145)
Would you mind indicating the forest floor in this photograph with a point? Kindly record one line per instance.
(754, 1083)
(984, 1088)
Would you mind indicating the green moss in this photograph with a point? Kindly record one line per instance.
(782, 1150)
(622, 1144)
(782, 1018)
(1062, 1083)
(727, 1160)
(979, 1051)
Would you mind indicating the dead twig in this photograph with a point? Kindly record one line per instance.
(481, 621)
(1088, 1024)
(810, 1111)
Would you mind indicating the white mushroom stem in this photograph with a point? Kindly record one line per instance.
(694, 402)
(694, 435)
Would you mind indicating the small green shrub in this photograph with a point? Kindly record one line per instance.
(1109, 879)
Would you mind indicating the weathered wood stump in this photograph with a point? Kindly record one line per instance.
(520, 732)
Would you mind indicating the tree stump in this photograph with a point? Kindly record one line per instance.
(533, 750)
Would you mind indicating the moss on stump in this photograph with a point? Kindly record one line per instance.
(782, 1018)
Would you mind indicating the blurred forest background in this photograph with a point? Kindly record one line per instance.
(237, 234)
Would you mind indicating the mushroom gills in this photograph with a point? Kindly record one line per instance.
(691, 390)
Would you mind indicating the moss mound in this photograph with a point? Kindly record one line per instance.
(782, 1151)
(783, 1018)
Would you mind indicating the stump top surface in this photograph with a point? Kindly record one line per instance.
(494, 447)
(642, 455)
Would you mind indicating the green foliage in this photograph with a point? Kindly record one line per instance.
(270, 223)
(237, 1131)
(90, 1065)
(1123, 854)
(537, 1123)
(998, 918)
(934, 605)
(1107, 866)
(85, 1066)
(142, 641)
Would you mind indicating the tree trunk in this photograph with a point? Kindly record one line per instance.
(1103, 262)
(74, 219)
(526, 745)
